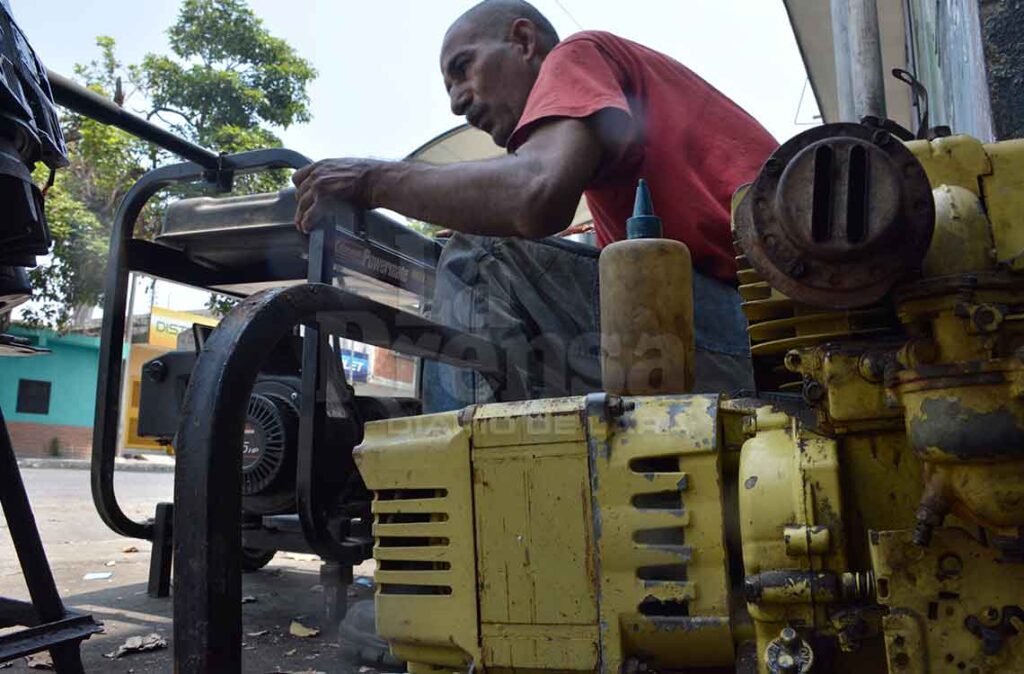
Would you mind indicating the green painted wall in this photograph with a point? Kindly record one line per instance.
(71, 368)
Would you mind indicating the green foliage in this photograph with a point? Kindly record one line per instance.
(219, 305)
(227, 84)
(229, 72)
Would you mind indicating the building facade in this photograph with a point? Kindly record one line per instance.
(49, 400)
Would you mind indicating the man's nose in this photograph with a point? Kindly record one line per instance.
(461, 100)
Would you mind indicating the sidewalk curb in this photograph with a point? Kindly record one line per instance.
(131, 466)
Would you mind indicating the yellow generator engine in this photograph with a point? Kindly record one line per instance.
(866, 516)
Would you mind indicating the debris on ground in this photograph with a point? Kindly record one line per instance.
(130, 549)
(98, 575)
(257, 634)
(297, 629)
(150, 642)
(363, 581)
(5, 665)
(249, 599)
(291, 652)
(111, 563)
(40, 660)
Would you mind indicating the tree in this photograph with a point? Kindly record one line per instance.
(80, 206)
(227, 84)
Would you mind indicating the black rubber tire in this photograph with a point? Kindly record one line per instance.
(254, 560)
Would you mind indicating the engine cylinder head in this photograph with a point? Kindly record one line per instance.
(837, 216)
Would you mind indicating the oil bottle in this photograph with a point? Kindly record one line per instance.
(647, 333)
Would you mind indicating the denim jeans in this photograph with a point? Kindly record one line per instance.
(538, 302)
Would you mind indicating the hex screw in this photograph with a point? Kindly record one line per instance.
(813, 391)
(789, 638)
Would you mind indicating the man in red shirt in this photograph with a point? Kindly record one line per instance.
(588, 115)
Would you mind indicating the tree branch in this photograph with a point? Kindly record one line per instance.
(156, 111)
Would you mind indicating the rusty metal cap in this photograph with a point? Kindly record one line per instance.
(837, 215)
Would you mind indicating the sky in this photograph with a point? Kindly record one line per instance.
(379, 91)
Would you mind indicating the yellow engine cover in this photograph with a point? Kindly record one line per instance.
(564, 534)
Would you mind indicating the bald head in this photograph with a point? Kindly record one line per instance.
(495, 18)
(490, 58)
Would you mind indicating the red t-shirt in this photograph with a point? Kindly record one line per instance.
(691, 143)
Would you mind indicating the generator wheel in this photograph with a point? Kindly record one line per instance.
(254, 559)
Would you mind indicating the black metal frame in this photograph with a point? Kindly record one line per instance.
(207, 557)
(207, 561)
(207, 510)
(127, 255)
(49, 625)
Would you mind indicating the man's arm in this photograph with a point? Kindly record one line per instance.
(532, 193)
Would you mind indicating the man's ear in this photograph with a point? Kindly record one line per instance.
(523, 34)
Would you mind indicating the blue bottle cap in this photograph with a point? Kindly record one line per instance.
(644, 224)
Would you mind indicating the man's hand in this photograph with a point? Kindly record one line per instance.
(531, 193)
(327, 181)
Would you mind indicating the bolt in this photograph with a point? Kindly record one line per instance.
(880, 138)
(794, 360)
(871, 366)
(857, 585)
(156, 370)
(813, 392)
(927, 520)
(750, 425)
(294, 396)
(986, 318)
(789, 638)
(991, 615)
(786, 663)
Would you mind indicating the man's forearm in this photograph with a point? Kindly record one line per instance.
(532, 193)
(497, 197)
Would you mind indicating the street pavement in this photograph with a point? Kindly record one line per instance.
(78, 543)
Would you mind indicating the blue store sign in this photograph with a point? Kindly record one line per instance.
(356, 364)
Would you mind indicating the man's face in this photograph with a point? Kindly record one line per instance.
(488, 80)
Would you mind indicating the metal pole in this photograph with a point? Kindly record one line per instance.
(866, 60)
(840, 11)
(74, 96)
(126, 376)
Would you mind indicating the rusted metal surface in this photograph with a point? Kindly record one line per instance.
(837, 215)
(946, 610)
